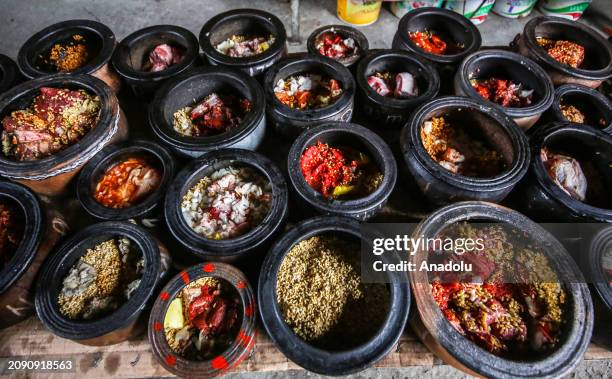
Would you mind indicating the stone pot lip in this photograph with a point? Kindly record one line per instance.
(593, 268)
(345, 31)
(588, 93)
(578, 329)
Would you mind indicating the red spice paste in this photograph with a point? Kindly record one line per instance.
(429, 42)
(503, 92)
(126, 183)
(325, 168)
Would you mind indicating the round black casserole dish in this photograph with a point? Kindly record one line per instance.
(100, 42)
(291, 122)
(244, 22)
(389, 110)
(133, 51)
(318, 360)
(441, 337)
(595, 106)
(510, 66)
(9, 73)
(232, 248)
(592, 266)
(42, 227)
(442, 186)
(112, 328)
(597, 65)
(361, 42)
(355, 136)
(194, 86)
(51, 175)
(155, 155)
(543, 200)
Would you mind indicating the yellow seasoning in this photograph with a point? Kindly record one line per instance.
(359, 12)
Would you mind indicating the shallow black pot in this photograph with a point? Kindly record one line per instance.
(314, 359)
(339, 133)
(593, 104)
(597, 65)
(387, 110)
(441, 186)
(234, 248)
(9, 73)
(133, 51)
(249, 22)
(111, 155)
(512, 66)
(345, 31)
(114, 327)
(543, 200)
(291, 122)
(195, 85)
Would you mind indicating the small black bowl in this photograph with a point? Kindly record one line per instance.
(244, 21)
(291, 122)
(111, 155)
(345, 31)
(596, 107)
(9, 73)
(234, 248)
(389, 111)
(351, 135)
(512, 66)
(441, 186)
(133, 51)
(195, 85)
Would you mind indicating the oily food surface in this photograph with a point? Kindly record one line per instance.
(69, 56)
(333, 45)
(163, 56)
(11, 231)
(321, 296)
(504, 92)
(307, 91)
(127, 183)
(564, 52)
(216, 114)
(582, 114)
(400, 86)
(458, 151)
(242, 46)
(56, 119)
(511, 303)
(203, 320)
(434, 43)
(339, 173)
(572, 113)
(102, 280)
(566, 173)
(228, 203)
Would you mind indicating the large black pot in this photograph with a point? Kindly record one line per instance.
(596, 107)
(195, 85)
(9, 73)
(328, 362)
(249, 22)
(441, 186)
(346, 32)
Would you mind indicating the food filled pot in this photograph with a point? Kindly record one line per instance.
(225, 204)
(570, 174)
(514, 83)
(307, 90)
(536, 343)
(74, 46)
(342, 169)
(457, 148)
(9, 73)
(94, 288)
(189, 339)
(30, 230)
(392, 83)
(300, 317)
(582, 105)
(209, 108)
(250, 40)
(148, 57)
(343, 43)
(571, 52)
(46, 159)
(126, 181)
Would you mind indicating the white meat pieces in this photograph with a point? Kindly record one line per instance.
(566, 173)
(405, 85)
(162, 57)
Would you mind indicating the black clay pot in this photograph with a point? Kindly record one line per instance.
(155, 155)
(133, 51)
(597, 65)
(244, 22)
(51, 175)
(9, 73)
(318, 360)
(234, 248)
(512, 66)
(595, 106)
(388, 111)
(117, 326)
(100, 42)
(355, 136)
(290, 122)
(441, 186)
(195, 85)
(432, 327)
(592, 266)
(543, 200)
(346, 32)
